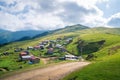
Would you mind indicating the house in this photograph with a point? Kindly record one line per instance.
(36, 47)
(18, 49)
(25, 55)
(58, 39)
(30, 48)
(51, 45)
(35, 60)
(70, 57)
(41, 46)
(45, 42)
(69, 40)
(6, 53)
(63, 49)
(58, 46)
(50, 51)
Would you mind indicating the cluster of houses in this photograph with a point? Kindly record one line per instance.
(27, 56)
(50, 46)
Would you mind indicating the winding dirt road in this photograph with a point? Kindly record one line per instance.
(55, 72)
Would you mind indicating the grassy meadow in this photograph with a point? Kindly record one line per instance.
(103, 67)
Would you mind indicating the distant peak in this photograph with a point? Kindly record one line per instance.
(77, 25)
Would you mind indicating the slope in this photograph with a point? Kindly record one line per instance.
(8, 36)
(89, 36)
(72, 28)
(106, 68)
(106, 65)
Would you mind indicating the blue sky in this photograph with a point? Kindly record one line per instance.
(52, 14)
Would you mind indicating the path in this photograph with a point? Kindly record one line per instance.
(55, 72)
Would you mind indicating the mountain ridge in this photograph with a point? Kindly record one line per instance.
(9, 36)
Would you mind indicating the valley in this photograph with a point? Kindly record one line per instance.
(99, 46)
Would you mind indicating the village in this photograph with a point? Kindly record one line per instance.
(48, 48)
(52, 49)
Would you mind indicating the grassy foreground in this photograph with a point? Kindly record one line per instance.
(106, 69)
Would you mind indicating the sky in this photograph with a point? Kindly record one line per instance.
(18, 15)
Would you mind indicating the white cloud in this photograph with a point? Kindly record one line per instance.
(10, 22)
(8, 1)
(114, 20)
(49, 14)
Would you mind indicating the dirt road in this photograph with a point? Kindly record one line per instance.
(55, 72)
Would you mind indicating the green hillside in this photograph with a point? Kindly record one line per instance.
(106, 65)
(96, 41)
(72, 28)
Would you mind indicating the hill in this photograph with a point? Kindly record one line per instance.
(106, 64)
(95, 41)
(8, 36)
(72, 28)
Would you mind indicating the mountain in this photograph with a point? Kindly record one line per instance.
(71, 28)
(8, 36)
(4, 36)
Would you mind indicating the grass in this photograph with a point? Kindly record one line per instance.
(110, 39)
(107, 69)
(33, 67)
(101, 69)
(12, 65)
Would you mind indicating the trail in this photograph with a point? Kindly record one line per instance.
(55, 72)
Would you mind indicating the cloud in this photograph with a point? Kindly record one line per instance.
(49, 14)
(10, 22)
(114, 20)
